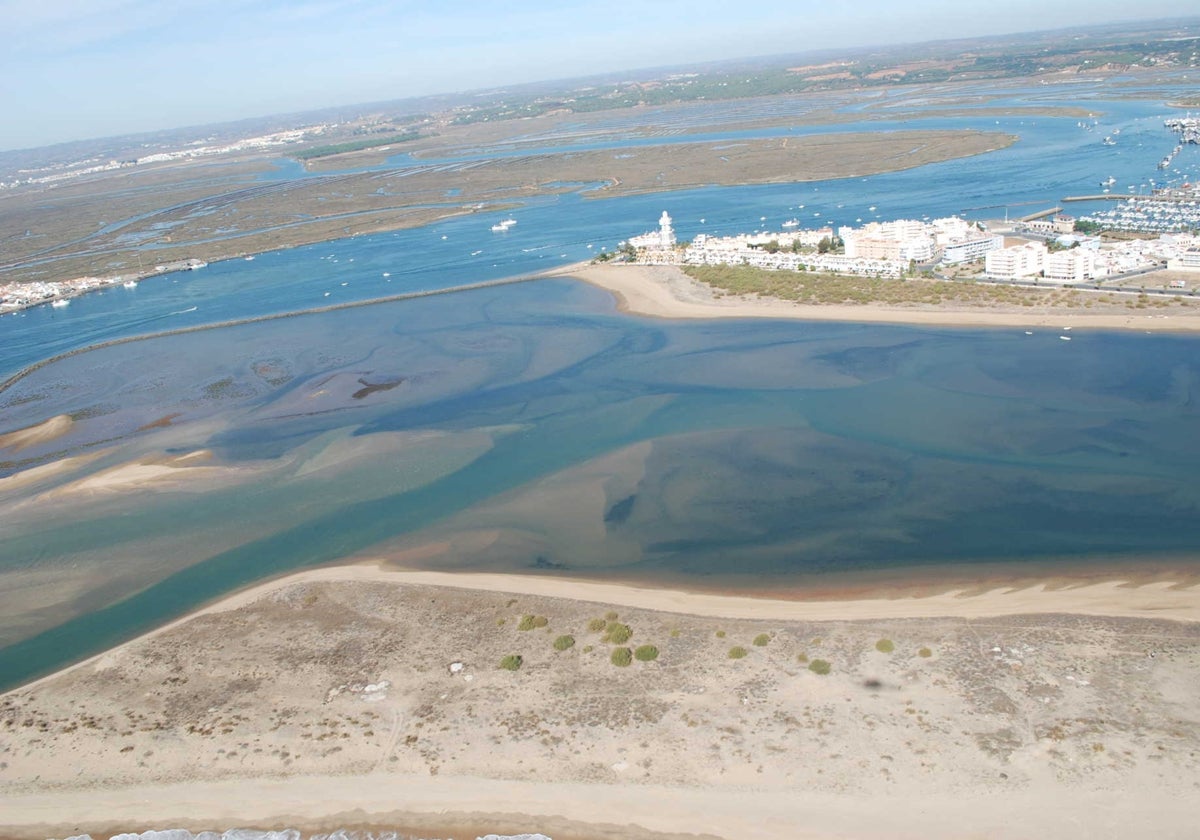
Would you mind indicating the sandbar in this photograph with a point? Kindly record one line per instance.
(330, 698)
(44, 432)
(667, 292)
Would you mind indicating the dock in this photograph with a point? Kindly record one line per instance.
(1041, 215)
(1105, 197)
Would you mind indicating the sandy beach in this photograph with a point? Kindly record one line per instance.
(666, 292)
(359, 696)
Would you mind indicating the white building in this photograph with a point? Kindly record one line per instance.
(971, 246)
(1012, 263)
(661, 239)
(1187, 260)
(1073, 266)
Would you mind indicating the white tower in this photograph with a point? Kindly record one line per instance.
(666, 234)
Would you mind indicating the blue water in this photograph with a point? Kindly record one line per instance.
(579, 440)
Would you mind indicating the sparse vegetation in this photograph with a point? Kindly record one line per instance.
(802, 658)
(597, 625)
(621, 657)
(646, 653)
(737, 652)
(885, 646)
(617, 633)
(924, 653)
(512, 662)
(529, 622)
(820, 666)
(762, 640)
(564, 642)
(720, 634)
(611, 616)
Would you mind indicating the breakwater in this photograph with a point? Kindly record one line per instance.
(258, 319)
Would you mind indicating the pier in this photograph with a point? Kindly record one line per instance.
(1105, 197)
(1041, 215)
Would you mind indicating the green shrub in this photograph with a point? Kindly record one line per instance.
(596, 625)
(802, 657)
(529, 622)
(512, 662)
(588, 648)
(819, 666)
(762, 639)
(618, 634)
(720, 634)
(646, 653)
(611, 616)
(737, 652)
(621, 656)
(924, 653)
(564, 642)
(675, 633)
(885, 646)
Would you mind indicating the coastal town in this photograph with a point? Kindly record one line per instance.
(16, 296)
(1051, 250)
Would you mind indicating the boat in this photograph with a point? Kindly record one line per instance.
(1064, 338)
(60, 303)
(503, 225)
(1108, 141)
(791, 223)
(130, 284)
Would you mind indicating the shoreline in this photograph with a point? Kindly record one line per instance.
(1116, 596)
(686, 777)
(663, 291)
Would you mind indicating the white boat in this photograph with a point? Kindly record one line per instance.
(61, 302)
(790, 223)
(130, 284)
(503, 226)
(1064, 338)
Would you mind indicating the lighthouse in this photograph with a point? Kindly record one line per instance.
(666, 233)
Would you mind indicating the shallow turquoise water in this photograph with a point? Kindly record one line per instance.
(736, 451)
(535, 429)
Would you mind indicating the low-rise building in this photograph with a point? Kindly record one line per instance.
(971, 246)
(1187, 260)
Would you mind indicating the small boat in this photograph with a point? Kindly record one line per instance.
(250, 258)
(61, 302)
(130, 284)
(1064, 338)
(1028, 332)
(791, 223)
(387, 274)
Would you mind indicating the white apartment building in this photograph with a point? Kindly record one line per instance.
(1073, 266)
(1012, 263)
(972, 246)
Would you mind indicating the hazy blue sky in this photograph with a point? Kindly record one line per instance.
(72, 69)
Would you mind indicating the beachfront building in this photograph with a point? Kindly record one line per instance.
(1072, 266)
(902, 240)
(1019, 261)
(973, 245)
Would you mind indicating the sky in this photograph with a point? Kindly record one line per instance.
(76, 69)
